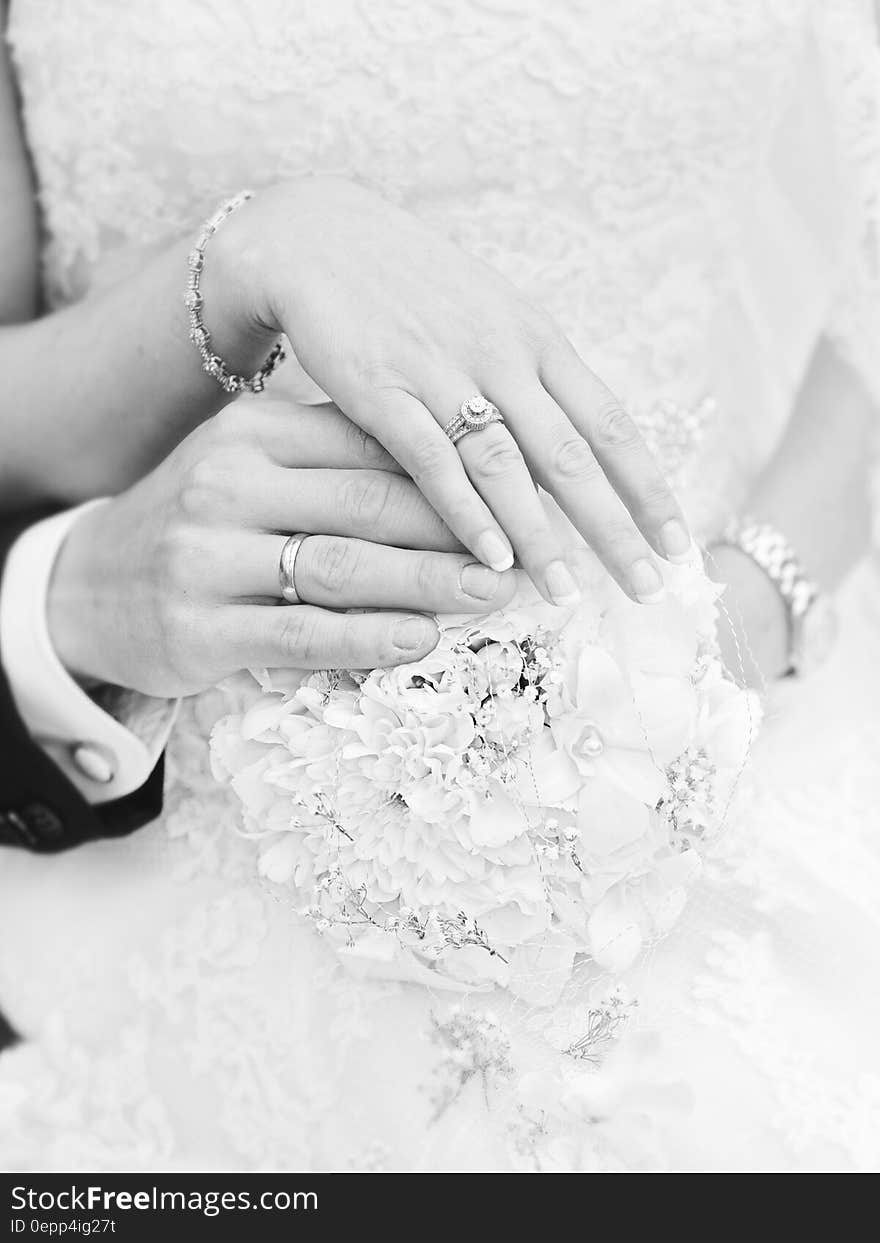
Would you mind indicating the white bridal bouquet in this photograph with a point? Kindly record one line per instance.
(537, 791)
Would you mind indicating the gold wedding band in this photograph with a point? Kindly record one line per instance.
(287, 567)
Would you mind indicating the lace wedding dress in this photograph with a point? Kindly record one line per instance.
(689, 189)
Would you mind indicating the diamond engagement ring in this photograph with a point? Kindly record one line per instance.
(287, 568)
(474, 414)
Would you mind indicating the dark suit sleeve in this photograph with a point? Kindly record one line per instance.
(40, 809)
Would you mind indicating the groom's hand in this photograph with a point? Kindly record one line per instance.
(170, 586)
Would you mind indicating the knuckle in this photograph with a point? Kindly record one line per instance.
(621, 541)
(544, 334)
(376, 375)
(332, 564)
(415, 339)
(655, 494)
(572, 458)
(429, 458)
(497, 347)
(297, 637)
(497, 458)
(206, 486)
(366, 498)
(196, 489)
(355, 646)
(614, 428)
(366, 447)
(176, 555)
(428, 576)
(552, 346)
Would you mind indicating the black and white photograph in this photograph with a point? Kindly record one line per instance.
(439, 596)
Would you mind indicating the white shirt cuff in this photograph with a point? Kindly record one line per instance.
(107, 751)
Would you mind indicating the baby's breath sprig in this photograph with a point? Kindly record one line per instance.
(439, 932)
(328, 681)
(537, 652)
(556, 841)
(604, 1024)
(474, 1046)
(337, 903)
(690, 803)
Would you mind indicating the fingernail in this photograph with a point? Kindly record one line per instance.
(675, 541)
(646, 582)
(564, 591)
(494, 551)
(412, 633)
(478, 581)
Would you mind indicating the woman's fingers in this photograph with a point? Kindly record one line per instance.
(537, 442)
(343, 573)
(563, 462)
(413, 437)
(484, 474)
(371, 504)
(305, 637)
(497, 469)
(495, 466)
(620, 450)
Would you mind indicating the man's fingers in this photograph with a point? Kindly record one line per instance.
(313, 436)
(370, 504)
(305, 637)
(346, 573)
(341, 573)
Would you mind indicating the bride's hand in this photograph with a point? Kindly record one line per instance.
(752, 627)
(399, 326)
(165, 588)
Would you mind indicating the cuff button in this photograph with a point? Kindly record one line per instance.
(93, 763)
(39, 824)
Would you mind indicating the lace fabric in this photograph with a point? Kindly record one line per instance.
(656, 175)
(854, 74)
(617, 165)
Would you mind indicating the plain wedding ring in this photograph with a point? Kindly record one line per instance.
(473, 415)
(287, 567)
